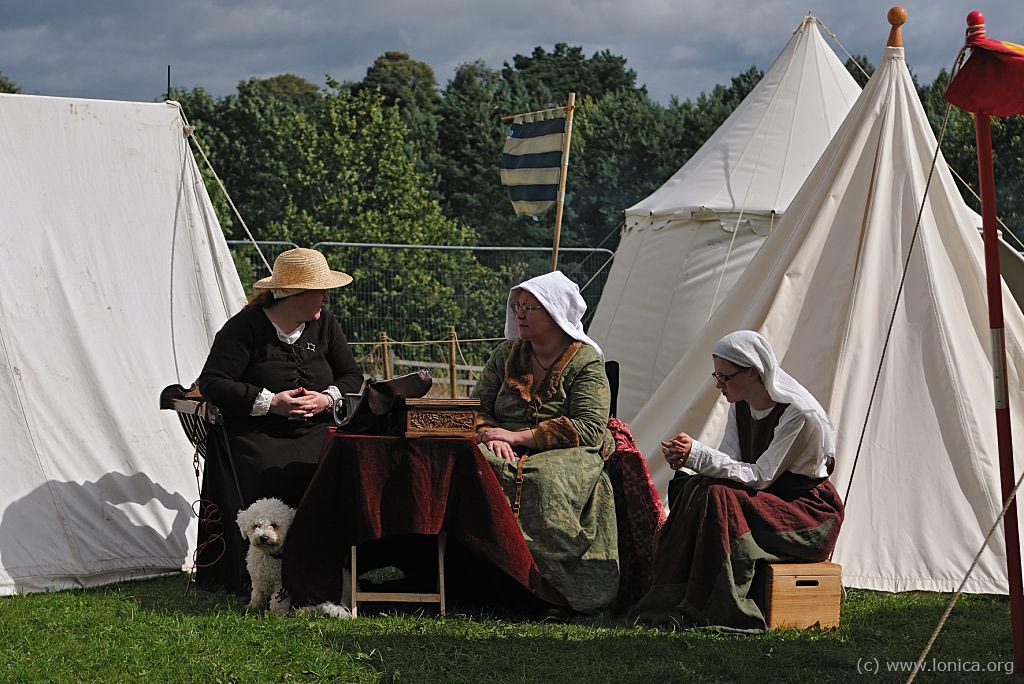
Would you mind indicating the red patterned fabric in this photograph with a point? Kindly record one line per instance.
(639, 512)
(992, 80)
(370, 487)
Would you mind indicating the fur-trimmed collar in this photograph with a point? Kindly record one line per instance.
(519, 377)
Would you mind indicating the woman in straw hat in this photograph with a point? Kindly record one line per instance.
(544, 430)
(275, 370)
(762, 496)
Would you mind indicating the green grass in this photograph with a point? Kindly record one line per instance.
(152, 631)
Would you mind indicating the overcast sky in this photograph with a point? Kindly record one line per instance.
(120, 48)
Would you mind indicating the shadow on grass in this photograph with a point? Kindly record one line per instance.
(415, 646)
(883, 631)
(173, 595)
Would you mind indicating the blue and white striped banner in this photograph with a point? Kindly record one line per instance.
(531, 161)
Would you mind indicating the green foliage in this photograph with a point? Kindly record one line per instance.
(624, 145)
(470, 137)
(547, 77)
(411, 86)
(155, 631)
(292, 90)
(7, 85)
(351, 181)
(338, 171)
(960, 151)
(861, 68)
(625, 148)
(391, 159)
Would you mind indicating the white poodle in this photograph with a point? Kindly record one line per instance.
(265, 524)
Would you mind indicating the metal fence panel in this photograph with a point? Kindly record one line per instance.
(415, 292)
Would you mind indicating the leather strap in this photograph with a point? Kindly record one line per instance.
(519, 485)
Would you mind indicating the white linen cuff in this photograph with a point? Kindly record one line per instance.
(261, 406)
(696, 447)
(334, 393)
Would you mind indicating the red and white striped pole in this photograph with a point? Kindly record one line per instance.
(986, 181)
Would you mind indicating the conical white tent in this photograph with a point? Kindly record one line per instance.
(677, 242)
(822, 289)
(116, 276)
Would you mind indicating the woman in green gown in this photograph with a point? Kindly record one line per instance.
(544, 430)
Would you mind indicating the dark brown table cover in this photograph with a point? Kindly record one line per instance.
(370, 487)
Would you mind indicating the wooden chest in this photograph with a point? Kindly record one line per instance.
(436, 417)
(800, 595)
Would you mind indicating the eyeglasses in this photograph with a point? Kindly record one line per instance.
(723, 378)
(524, 308)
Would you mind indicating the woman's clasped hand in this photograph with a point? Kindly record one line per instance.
(299, 403)
(677, 450)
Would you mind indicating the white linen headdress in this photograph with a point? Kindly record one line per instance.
(561, 298)
(748, 349)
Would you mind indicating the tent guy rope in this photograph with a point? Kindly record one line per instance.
(960, 589)
(190, 134)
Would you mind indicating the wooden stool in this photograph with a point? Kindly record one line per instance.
(401, 597)
(801, 595)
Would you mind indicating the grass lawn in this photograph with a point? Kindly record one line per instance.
(152, 631)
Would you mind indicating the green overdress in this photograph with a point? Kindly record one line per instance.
(567, 511)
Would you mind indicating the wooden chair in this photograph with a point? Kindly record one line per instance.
(195, 413)
(638, 510)
(611, 369)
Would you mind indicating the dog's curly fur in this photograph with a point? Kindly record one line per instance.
(265, 524)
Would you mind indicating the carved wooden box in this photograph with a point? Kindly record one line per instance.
(436, 417)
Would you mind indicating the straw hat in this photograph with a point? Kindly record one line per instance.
(303, 269)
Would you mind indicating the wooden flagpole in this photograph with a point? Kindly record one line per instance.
(561, 179)
(986, 180)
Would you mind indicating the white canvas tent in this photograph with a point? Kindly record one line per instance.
(677, 242)
(822, 290)
(115, 278)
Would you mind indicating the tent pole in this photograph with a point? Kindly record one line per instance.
(561, 179)
(983, 133)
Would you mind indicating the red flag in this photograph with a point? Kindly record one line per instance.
(992, 80)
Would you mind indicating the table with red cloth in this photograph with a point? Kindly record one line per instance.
(369, 487)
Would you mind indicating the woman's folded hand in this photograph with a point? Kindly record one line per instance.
(298, 404)
(677, 450)
(501, 449)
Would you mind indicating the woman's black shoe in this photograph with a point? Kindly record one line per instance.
(555, 614)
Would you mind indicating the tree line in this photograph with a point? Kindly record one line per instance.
(396, 158)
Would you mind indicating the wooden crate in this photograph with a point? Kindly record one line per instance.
(800, 595)
(434, 417)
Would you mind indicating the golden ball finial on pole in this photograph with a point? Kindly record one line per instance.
(897, 16)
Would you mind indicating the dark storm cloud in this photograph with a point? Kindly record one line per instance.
(120, 49)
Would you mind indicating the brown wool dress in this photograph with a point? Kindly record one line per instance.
(720, 532)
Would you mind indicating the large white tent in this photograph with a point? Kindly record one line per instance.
(822, 290)
(116, 276)
(668, 269)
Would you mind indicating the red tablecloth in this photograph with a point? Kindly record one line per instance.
(370, 487)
